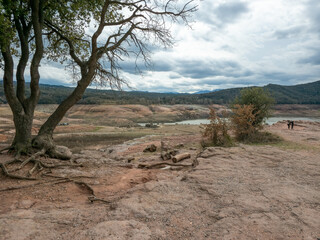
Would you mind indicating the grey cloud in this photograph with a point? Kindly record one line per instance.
(289, 32)
(313, 13)
(228, 81)
(313, 60)
(281, 78)
(162, 66)
(223, 14)
(203, 69)
(136, 67)
(174, 76)
(51, 81)
(195, 69)
(229, 12)
(258, 79)
(129, 67)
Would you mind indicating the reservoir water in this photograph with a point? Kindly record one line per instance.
(269, 121)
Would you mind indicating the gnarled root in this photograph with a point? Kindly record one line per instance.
(53, 151)
(38, 165)
(5, 149)
(10, 175)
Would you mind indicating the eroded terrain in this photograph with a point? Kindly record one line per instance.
(242, 192)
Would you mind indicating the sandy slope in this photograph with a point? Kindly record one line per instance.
(243, 192)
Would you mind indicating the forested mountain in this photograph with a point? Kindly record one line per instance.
(298, 94)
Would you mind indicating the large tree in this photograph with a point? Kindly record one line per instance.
(91, 37)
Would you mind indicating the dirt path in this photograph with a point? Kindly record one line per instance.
(243, 192)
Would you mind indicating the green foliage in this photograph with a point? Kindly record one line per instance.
(72, 18)
(260, 102)
(6, 31)
(216, 132)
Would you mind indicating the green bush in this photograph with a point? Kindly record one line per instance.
(250, 111)
(260, 100)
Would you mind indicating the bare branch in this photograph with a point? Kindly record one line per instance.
(58, 31)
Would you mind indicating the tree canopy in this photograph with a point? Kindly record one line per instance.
(90, 37)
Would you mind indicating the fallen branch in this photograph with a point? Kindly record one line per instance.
(181, 157)
(162, 164)
(195, 162)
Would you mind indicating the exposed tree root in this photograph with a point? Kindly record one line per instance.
(39, 165)
(10, 175)
(92, 197)
(35, 184)
(32, 158)
(5, 149)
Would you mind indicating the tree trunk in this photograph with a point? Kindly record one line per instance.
(23, 126)
(44, 139)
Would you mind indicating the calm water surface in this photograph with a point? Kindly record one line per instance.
(269, 121)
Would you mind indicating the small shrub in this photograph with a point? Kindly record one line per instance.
(216, 132)
(245, 130)
(243, 120)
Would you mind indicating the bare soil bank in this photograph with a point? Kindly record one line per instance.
(243, 192)
(301, 110)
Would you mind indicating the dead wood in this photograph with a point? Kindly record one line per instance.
(181, 157)
(162, 164)
(194, 164)
(164, 154)
(150, 148)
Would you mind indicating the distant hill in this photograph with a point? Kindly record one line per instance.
(308, 93)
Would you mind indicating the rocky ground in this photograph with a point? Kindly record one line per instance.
(242, 192)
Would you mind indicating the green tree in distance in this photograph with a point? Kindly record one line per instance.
(260, 100)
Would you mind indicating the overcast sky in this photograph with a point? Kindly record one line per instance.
(232, 43)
